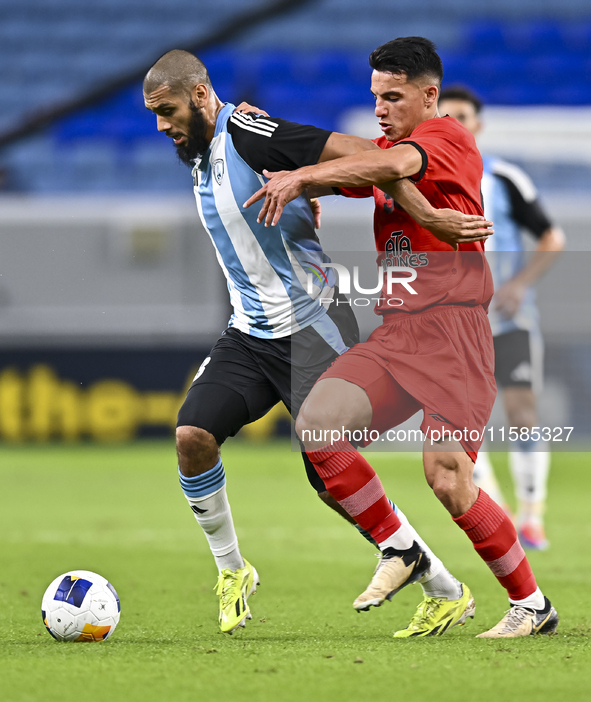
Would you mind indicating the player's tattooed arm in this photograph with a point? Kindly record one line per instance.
(447, 225)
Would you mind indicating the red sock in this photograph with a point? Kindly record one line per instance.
(356, 487)
(495, 539)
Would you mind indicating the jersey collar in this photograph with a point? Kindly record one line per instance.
(223, 116)
(220, 123)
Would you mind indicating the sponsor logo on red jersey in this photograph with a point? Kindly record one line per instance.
(399, 252)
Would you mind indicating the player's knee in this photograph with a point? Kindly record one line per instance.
(520, 404)
(308, 420)
(442, 489)
(333, 406)
(444, 476)
(316, 421)
(522, 417)
(197, 450)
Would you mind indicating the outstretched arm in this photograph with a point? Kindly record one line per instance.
(447, 225)
(341, 151)
(337, 146)
(361, 169)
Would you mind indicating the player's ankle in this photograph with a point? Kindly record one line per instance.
(401, 540)
(443, 584)
(534, 601)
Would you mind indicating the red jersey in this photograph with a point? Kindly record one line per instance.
(449, 178)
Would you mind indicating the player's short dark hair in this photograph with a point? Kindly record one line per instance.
(414, 56)
(459, 92)
(178, 69)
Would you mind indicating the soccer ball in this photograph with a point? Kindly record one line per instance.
(80, 606)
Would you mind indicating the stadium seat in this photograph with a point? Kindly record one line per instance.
(308, 66)
(533, 36)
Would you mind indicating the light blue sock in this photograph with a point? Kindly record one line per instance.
(204, 484)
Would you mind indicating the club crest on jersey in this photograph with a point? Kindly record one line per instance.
(218, 170)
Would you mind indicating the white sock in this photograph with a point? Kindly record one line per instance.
(534, 601)
(206, 495)
(530, 473)
(400, 540)
(441, 585)
(484, 477)
(437, 581)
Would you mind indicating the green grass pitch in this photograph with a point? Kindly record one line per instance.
(119, 511)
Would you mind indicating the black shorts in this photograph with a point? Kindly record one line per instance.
(244, 377)
(514, 366)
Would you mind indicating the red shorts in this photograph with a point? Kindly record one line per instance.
(440, 360)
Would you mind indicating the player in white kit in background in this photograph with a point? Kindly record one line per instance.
(511, 201)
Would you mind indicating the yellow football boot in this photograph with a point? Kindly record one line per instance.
(234, 587)
(435, 615)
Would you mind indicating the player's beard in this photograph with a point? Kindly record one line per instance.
(196, 144)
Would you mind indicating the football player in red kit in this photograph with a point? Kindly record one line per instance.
(433, 351)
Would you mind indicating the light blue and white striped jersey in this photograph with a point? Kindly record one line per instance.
(266, 268)
(505, 189)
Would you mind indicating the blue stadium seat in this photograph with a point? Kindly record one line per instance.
(571, 94)
(502, 66)
(277, 67)
(533, 36)
(520, 94)
(321, 68)
(483, 36)
(555, 67)
(308, 67)
(576, 36)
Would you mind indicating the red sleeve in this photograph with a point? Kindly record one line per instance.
(367, 191)
(450, 157)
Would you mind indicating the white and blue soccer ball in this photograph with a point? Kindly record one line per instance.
(80, 606)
